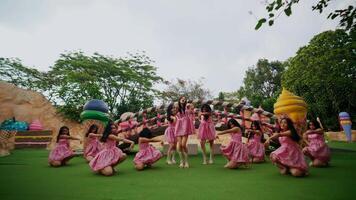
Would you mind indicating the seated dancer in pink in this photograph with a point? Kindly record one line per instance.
(255, 146)
(92, 144)
(236, 152)
(316, 149)
(147, 154)
(182, 130)
(61, 153)
(105, 161)
(289, 156)
(206, 132)
(169, 134)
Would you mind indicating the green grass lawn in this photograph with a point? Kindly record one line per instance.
(26, 175)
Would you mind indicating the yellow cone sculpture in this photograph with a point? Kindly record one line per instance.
(292, 106)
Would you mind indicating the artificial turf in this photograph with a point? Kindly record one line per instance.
(26, 175)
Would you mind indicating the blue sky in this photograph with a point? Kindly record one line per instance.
(188, 39)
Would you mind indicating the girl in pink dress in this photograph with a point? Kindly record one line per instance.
(61, 153)
(289, 156)
(236, 152)
(206, 132)
(105, 161)
(182, 130)
(316, 149)
(147, 154)
(169, 133)
(255, 146)
(92, 144)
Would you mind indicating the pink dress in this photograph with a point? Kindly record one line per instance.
(317, 147)
(183, 124)
(92, 147)
(255, 147)
(236, 151)
(61, 151)
(147, 154)
(108, 156)
(169, 133)
(289, 154)
(206, 130)
(192, 121)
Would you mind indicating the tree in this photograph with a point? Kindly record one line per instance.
(190, 89)
(262, 84)
(13, 71)
(276, 7)
(125, 84)
(324, 73)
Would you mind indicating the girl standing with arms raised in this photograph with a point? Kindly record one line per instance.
(182, 130)
(169, 133)
(206, 132)
(289, 156)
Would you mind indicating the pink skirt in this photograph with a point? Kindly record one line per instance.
(169, 135)
(290, 155)
(147, 156)
(206, 130)
(92, 148)
(183, 127)
(256, 149)
(319, 150)
(60, 152)
(106, 157)
(236, 152)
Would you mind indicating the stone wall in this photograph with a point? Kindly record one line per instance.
(27, 105)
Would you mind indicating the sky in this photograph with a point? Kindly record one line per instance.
(187, 39)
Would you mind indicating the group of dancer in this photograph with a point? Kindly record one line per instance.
(102, 153)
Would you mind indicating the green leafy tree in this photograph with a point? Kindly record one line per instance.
(324, 73)
(125, 84)
(190, 89)
(13, 71)
(275, 8)
(262, 84)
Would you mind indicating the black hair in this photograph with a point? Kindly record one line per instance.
(107, 131)
(234, 122)
(92, 129)
(146, 133)
(316, 124)
(61, 132)
(207, 108)
(181, 107)
(292, 129)
(258, 127)
(169, 112)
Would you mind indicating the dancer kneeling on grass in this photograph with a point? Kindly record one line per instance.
(169, 134)
(92, 144)
(317, 150)
(288, 157)
(147, 154)
(61, 153)
(236, 152)
(105, 161)
(255, 146)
